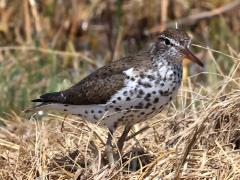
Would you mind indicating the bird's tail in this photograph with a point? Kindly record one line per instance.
(54, 97)
(46, 100)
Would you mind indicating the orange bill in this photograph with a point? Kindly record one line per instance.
(189, 55)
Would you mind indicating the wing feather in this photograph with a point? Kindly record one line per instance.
(98, 87)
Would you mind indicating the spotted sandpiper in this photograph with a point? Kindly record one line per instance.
(129, 90)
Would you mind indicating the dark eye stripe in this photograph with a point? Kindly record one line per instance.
(161, 39)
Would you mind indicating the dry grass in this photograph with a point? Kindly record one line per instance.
(43, 45)
(200, 140)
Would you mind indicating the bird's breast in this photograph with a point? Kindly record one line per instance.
(145, 94)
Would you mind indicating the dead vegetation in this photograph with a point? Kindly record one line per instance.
(201, 141)
(197, 137)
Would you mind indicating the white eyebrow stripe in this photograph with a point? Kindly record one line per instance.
(172, 41)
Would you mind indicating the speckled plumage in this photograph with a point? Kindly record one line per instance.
(143, 94)
(129, 90)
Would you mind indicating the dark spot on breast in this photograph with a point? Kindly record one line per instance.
(99, 111)
(132, 79)
(125, 93)
(92, 111)
(125, 113)
(141, 92)
(114, 101)
(157, 81)
(64, 110)
(142, 76)
(144, 84)
(156, 100)
(128, 99)
(66, 105)
(162, 84)
(139, 106)
(154, 92)
(147, 85)
(86, 112)
(164, 93)
(117, 109)
(106, 109)
(142, 113)
(148, 105)
(119, 98)
(150, 77)
(95, 117)
(147, 97)
(80, 115)
(131, 92)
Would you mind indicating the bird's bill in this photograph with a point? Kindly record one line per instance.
(189, 55)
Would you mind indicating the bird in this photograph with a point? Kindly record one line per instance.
(129, 90)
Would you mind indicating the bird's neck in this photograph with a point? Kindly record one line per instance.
(159, 61)
(161, 57)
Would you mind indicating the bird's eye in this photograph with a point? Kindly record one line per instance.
(167, 42)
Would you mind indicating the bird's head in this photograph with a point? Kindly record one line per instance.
(173, 44)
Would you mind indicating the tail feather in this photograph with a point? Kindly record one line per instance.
(55, 97)
(45, 100)
(36, 100)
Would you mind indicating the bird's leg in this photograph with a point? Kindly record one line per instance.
(109, 147)
(122, 139)
(138, 132)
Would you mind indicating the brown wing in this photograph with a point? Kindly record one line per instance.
(98, 87)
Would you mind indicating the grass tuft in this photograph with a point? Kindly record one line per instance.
(49, 45)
